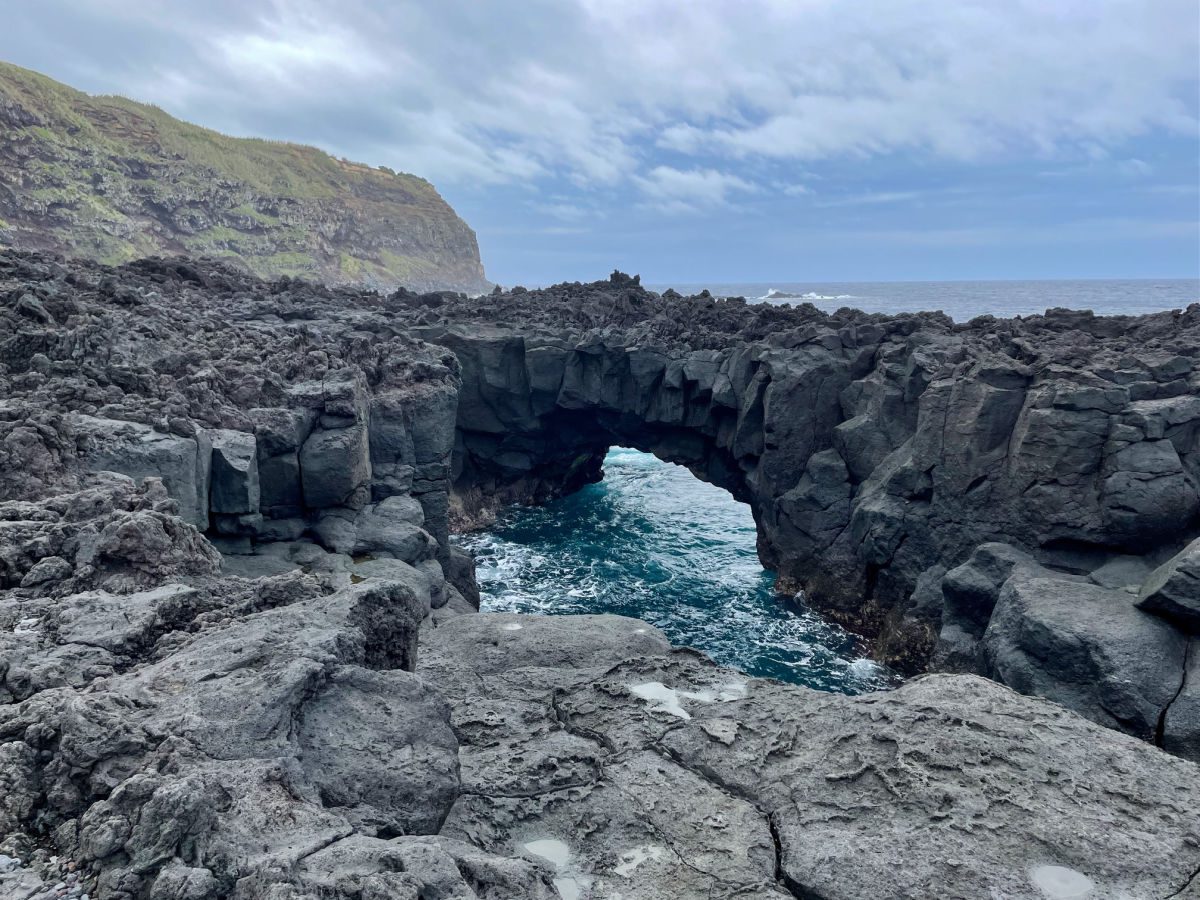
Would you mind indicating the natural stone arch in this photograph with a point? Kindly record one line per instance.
(875, 454)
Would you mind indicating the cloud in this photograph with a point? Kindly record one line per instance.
(678, 191)
(649, 93)
(874, 198)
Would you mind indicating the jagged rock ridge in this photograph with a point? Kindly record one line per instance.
(110, 179)
(316, 711)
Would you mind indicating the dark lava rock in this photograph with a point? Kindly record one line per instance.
(239, 654)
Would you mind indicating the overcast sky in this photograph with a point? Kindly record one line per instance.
(694, 140)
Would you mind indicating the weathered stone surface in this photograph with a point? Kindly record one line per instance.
(1086, 647)
(583, 752)
(336, 468)
(183, 463)
(247, 746)
(1173, 590)
(393, 527)
(235, 487)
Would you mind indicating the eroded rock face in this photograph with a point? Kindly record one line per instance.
(162, 185)
(1173, 590)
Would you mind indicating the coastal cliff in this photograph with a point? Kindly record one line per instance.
(240, 655)
(111, 179)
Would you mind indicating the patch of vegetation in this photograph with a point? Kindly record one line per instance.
(105, 165)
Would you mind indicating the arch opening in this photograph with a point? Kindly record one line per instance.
(652, 541)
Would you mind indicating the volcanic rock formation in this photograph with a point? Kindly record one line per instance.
(900, 468)
(239, 654)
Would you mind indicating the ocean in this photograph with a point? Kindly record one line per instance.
(653, 542)
(963, 300)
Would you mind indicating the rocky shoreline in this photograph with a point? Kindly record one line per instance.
(240, 656)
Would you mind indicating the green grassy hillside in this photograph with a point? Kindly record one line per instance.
(112, 179)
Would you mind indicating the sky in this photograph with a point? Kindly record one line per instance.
(718, 140)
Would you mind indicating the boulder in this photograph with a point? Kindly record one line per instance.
(1086, 647)
(393, 527)
(281, 430)
(1173, 589)
(335, 468)
(969, 594)
(235, 485)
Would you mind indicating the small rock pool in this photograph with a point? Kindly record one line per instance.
(654, 542)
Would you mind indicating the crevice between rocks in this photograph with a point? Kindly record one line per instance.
(792, 886)
(1187, 885)
(1160, 729)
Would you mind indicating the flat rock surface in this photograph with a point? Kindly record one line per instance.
(951, 786)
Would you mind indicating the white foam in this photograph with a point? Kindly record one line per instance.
(777, 295)
(864, 669)
(1061, 883)
(27, 626)
(635, 856)
(511, 626)
(665, 699)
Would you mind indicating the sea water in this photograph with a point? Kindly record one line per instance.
(654, 542)
(964, 300)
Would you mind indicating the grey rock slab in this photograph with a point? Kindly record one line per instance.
(663, 775)
(1086, 647)
(235, 485)
(934, 790)
(126, 623)
(1173, 589)
(383, 569)
(412, 867)
(256, 566)
(502, 642)
(183, 463)
(335, 467)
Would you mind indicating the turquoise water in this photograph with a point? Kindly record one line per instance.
(653, 542)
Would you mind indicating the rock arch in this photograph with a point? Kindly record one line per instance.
(875, 453)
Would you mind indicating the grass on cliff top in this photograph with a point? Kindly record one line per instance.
(137, 130)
